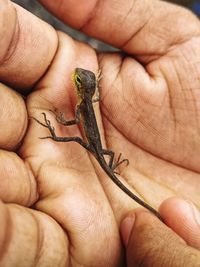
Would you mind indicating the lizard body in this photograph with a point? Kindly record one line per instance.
(86, 83)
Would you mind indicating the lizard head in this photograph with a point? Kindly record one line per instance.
(85, 82)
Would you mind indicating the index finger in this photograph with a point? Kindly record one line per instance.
(138, 27)
(27, 46)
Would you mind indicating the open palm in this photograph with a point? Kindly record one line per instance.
(148, 111)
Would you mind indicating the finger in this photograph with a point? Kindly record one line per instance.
(149, 242)
(13, 116)
(27, 46)
(30, 238)
(133, 25)
(16, 179)
(183, 218)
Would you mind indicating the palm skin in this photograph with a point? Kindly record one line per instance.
(148, 110)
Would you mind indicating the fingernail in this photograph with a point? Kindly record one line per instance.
(195, 212)
(126, 228)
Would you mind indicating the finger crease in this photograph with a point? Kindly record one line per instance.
(13, 43)
(91, 15)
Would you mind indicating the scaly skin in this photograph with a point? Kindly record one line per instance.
(85, 83)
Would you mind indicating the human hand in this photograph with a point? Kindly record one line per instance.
(149, 242)
(68, 188)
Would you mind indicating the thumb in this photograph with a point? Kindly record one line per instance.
(184, 218)
(149, 242)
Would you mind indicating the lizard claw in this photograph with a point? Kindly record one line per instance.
(119, 162)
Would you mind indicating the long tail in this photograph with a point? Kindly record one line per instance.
(114, 178)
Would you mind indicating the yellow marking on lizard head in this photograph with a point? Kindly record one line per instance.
(85, 82)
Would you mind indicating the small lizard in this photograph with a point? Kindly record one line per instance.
(86, 84)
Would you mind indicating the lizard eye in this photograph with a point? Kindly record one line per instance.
(78, 80)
